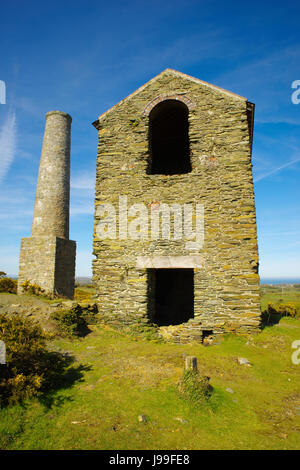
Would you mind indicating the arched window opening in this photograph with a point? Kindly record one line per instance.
(169, 139)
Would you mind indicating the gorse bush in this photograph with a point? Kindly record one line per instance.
(32, 288)
(29, 365)
(284, 309)
(8, 285)
(70, 322)
(82, 295)
(273, 313)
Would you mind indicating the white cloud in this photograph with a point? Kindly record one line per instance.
(275, 170)
(7, 144)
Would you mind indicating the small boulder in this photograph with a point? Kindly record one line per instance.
(244, 361)
(69, 304)
(181, 420)
(142, 419)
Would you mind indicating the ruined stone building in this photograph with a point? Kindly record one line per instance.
(177, 142)
(175, 230)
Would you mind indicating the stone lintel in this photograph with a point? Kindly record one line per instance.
(165, 262)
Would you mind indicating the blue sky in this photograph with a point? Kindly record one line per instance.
(84, 56)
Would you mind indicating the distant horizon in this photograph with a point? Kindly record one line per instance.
(263, 279)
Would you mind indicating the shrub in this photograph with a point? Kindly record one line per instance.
(29, 365)
(8, 285)
(70, 322)
(90, 312)
(195, 387)
(82, 295)
(273, 313)
(33, 289)
(288, 309)
(284, 309)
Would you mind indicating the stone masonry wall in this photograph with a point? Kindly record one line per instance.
(51, 209)
(226, 287)
(48, 262)
(37, 251)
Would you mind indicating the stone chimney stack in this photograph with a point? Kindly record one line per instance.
(47, 258)
(51, 210)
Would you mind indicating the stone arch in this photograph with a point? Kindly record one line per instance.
(178, 97)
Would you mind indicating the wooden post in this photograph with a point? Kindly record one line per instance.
(191, 363)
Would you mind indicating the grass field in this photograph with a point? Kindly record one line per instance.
(276, 295)
(115, 377)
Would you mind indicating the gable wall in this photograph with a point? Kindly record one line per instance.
(227, 286)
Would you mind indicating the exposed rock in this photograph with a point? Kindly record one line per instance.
(142, 419)
(181, 420)
(244, 361)
(69, 304)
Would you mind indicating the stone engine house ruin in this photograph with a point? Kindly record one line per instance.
(174, 239)
(177, 140)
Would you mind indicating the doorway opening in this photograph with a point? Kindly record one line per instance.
(173, 296)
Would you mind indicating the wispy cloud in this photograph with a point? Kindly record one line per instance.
(29, 106)
(275, 170)
(7, 144)
(84, 181)
(82, 210)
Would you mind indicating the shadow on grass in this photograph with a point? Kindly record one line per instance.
(58, 372)
(84, 331)
(270, 319)
(61, 376)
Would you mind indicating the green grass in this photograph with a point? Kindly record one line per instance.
(115, 377)
(275, 295)
(84, 293)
